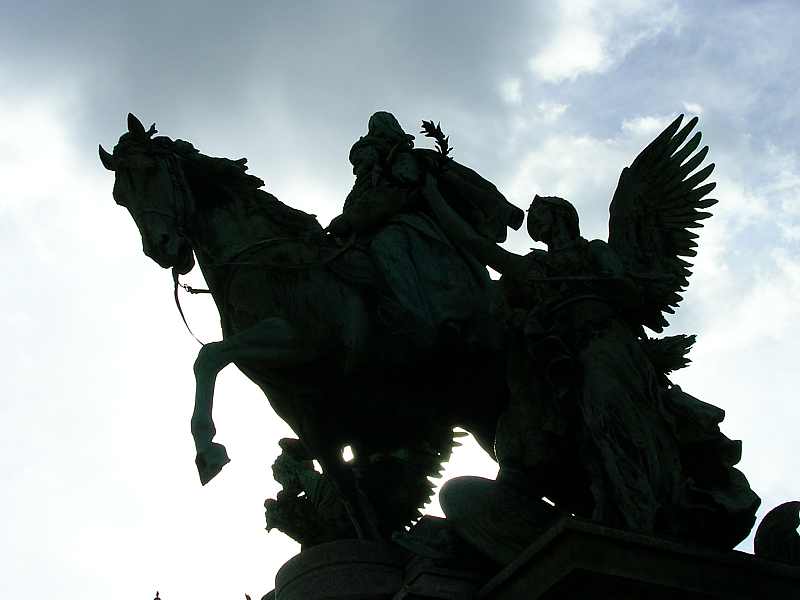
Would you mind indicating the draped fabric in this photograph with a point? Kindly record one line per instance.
(436, 290)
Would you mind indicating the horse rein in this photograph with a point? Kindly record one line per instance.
(178, 217)
(268, 264)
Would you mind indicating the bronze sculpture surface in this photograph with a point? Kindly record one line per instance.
(594, 422)
(384, 331)
(331, 331)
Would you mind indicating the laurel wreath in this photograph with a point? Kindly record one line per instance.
(442, 141)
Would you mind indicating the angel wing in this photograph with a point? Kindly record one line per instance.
(657, 201)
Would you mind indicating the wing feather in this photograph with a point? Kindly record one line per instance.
(679, 138)
(691, 164)
(660, 197)
(690, 147)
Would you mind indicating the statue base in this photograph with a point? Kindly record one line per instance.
(576, 559)
(358, 570)
(351, 569)
(573, 559)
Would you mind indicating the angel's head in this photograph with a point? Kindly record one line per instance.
(550, 216)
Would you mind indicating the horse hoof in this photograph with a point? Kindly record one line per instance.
(210, 462)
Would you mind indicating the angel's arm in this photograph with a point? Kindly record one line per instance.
(462, 233)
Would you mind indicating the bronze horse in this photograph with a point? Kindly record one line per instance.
(305, 335)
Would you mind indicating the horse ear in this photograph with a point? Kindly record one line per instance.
(135, 127)
(106, 159)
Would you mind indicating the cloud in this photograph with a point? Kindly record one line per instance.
(33, 141)
(511, 91)
(763, 306)
(593, 36)
(747, 261)
(576, 50)
(790, 232)
(551, 111)
(783, 182)
(693, 108)
(646, 126)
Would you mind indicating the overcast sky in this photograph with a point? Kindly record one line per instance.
(100, 497)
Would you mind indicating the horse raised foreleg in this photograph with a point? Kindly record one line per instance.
(273, 343)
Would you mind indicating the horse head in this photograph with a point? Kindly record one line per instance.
(149, 183)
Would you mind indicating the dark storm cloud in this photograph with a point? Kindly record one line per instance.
(305, 70)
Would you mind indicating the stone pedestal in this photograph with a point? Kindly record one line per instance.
(573, 560)
(425, 580)
(351, 569)
(356, 570)
(577, 560)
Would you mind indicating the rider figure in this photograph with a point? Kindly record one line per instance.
(385, 170)
(432, 293)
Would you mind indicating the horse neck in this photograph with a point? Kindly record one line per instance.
(221, 232)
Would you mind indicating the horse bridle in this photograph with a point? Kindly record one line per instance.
(178, 179)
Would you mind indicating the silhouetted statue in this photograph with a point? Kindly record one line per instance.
(384, 331)
(331, 332)
(594, 424)
(308, 508)
(436, 292)
(776, 537)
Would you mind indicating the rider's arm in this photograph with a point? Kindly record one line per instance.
(462, 233)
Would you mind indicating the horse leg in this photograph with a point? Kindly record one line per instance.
(272, 342)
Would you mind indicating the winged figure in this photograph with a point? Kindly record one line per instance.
(594, 423)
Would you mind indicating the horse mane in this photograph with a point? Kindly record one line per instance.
(218, 181)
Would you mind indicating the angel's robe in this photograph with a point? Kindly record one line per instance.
(594, 421)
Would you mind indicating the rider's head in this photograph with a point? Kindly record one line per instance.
(364, 156)
(384, 136)
(384, 126)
